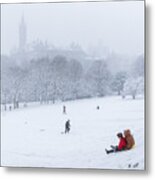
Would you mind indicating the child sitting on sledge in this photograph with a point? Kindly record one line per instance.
(121, 146)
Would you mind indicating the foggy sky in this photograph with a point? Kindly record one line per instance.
(117, 25)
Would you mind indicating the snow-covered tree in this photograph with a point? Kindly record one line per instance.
(138, 66)
(134, 86)
(58, 81)
(6, 88)
(17, 76)
(118, 82)
(99, 78)
(75, 73)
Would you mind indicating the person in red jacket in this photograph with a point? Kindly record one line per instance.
(121, 146)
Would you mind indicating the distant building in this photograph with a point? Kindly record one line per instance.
(37, 49)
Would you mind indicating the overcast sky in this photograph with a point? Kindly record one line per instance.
(117, 25)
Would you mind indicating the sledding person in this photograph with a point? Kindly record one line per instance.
(121, 146)
(67, 126)
(129, 139)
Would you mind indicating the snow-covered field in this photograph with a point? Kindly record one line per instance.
(33, 136)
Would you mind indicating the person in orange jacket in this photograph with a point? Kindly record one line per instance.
(120, 147)
(129, 139)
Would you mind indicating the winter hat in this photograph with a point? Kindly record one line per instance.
(119, 135)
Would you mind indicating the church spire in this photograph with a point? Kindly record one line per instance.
(22, 34)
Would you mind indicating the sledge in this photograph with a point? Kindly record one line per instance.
(114, 148)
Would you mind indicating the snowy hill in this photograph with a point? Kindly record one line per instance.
(33, 136)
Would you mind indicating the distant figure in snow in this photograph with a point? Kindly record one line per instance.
(25, 105)
(121, 146)
(129, 139)
(10, 108)
(64, 109)
(67, 126)
(98, 107)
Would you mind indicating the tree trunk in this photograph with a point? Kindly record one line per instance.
(5, 107)
(133, 96)
(14, 102)
(123, 96)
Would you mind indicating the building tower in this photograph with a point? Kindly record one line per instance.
(22, 34)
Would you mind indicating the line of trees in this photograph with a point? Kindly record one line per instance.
(48, 80)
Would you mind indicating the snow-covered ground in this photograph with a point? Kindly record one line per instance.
(33, 136)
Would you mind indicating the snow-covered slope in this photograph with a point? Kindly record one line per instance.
(34, 136)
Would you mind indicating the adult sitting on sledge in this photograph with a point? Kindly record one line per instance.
(121, 146)
(129, 139)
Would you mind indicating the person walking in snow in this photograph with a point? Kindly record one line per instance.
(10, 108)
(129, 139)
(98, 107)
(64, 109)
(121, 146)
(67, 126)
